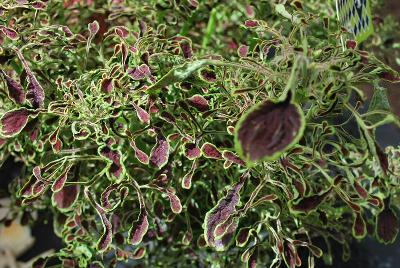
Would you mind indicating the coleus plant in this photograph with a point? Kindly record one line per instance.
(154, 144)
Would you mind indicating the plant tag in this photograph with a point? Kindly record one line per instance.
(355, 16)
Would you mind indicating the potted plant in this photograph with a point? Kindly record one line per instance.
(195, 133)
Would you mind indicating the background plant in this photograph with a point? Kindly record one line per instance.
(195, 133)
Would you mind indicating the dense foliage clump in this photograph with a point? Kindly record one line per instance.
(195, 133)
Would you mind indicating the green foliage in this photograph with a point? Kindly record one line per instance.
(124, 114)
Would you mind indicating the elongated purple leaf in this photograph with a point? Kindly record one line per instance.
(309, 203)
(15, 90)
(160, 152)
(192, 151)
(210, 151)
(141, 114)
(14, 121)
(10, 33)
(106, 238)
(225, 208)
(139, 154)
(116, 168)
(359, 227)
(140, 72)
(387, 226)
(268, 129)
(174, 201)
(35, 93)
(228, 155)
(198, 102)
(60, 181)
(138, 229)
(66, 197)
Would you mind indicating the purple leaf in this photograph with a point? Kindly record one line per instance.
(268, 129)
(174, 201)
(228, 155)
(139, 154)
(251, 23)
(198, 102)
(60, 181)
(35, 93)
(359, 227)
(208, 75)
(107, 85)
(139, 228)
(360, 190)
(15, 90)
(187, 179)
(39, 5)
(104, 199)
(210, 151)
(140, 72)
(192, 151)
(387, 226)
(93, 27)
(309, 203)
(10, 33)
(139, 253)
(243, 236)
(243, 50)
(114, 156)
(160, 152)
(122, 32)
(186, 47)
(168, 117)
(14, 121)
(66, 197)
(106, 238)
(225, 208)
(143, 116)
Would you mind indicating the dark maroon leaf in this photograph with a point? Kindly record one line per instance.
(382, 157)
(351, 44)
(14, 121)
(122, 31)
(10, 33)
(160, 152)
(251, 23)
(210, 151)
(360, 190)
(139, 228)
(225, 209)
(174, 201)
(192, 151)
(15, 90)
(66, 197)
(228, 155)
(243, 236)
(139, 253)
(139, 72)
(35, 93)
(186, 48)
(268, 129)
(60, 181)
(387, 226)
(359, 227)
(243, 51)
(309, 203)
(139, 154)
(93, 27)
(105, 195)
(107, 85)
(198, 102)
(114, 156)
(141, 114)
(208, 75)
(106, 238)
